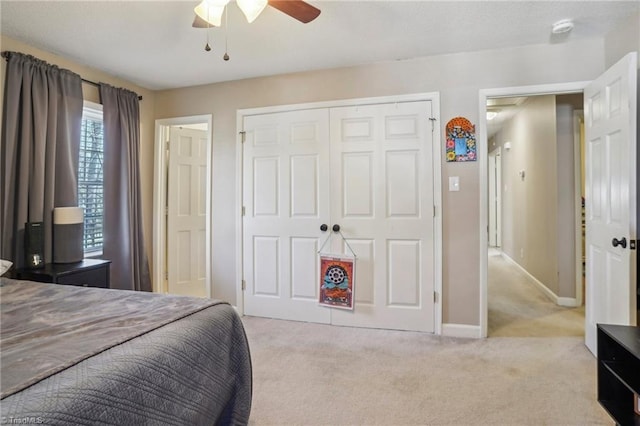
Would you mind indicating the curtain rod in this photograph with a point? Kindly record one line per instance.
(7, 54)
(93, 83)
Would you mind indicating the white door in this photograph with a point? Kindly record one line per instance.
(373, 176)
(382, 198)
(186, 213)
(610, 202)
(495, 198)
(286, 200)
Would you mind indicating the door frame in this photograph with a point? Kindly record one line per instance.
(578, 115)
(434, 97)
(483, 95)
(495, 176)
(162, 127)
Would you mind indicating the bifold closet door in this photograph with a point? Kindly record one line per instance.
(286, 199)
(382, 197)
(366, 168)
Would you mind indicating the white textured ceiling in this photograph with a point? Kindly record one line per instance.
(152, 43)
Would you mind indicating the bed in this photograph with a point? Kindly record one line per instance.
(77, 355)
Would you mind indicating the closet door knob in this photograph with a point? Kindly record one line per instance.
(616, 242)
(336, 228)
(324, 227)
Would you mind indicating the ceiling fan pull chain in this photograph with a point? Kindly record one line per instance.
(226, 34)
(207, 47)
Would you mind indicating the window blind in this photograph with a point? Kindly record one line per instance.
(90, 179)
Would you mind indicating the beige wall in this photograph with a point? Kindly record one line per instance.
(530, 205)
(457, 77)
(566, 105)
(90, 93)
(538, 212)
(623, 39)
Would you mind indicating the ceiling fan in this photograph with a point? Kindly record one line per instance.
(209, 12)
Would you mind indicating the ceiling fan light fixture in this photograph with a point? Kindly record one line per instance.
(211, 11)
(252, 8)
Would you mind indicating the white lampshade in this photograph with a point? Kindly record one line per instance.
(211, 11)
(68, 215)
(252, 8)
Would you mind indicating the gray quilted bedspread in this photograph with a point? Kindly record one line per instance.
(74, 355)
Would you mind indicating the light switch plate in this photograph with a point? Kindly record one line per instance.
(454, 183)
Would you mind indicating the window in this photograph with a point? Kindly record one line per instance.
(91, 177)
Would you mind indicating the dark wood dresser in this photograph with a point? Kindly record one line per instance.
(87, 273)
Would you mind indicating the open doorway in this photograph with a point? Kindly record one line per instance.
(610, 193)
(182, 206)
(533, 195)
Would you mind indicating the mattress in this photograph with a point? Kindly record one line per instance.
(76, 355)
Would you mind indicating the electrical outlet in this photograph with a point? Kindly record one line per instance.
(521, 253)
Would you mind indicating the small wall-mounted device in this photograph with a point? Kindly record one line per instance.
(507, 146)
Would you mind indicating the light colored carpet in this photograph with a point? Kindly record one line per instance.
(312, 374)
(518, 308)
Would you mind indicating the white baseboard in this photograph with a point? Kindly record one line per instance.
(461, 330)
(570, 302)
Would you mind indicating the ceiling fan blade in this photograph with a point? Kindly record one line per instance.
(297, 9)
(198, 22)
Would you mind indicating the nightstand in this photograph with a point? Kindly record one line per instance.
(86, 273)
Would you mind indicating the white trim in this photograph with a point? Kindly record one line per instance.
(437, 201)
(159, 198)
(578, 115)
(462, 330)
(568, 302)
(560, 301)
(434, 97)
(543, 288)
(415, 97)
(496, 176)
(544, 89)
(238, 212)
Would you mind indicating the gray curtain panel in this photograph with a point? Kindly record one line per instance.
(123, 236)
(40, 148)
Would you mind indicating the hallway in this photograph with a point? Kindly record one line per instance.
(517, 308)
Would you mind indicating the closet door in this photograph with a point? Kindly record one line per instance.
(382, 198)
(286, 199)
(367, 169)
